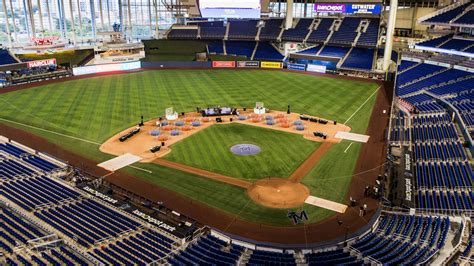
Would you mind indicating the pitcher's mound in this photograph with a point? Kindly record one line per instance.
(278, 193)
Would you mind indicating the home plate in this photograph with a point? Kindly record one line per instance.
(352, 136)
(326, 204)
(120, 162)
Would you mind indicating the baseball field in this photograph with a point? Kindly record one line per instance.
(81, 114)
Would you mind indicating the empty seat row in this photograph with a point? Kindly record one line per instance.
(31, 193)
(139, 249)
(88, 221)
(436, 132)
(445, 200)
(443, 175)
(385, 245)
(439, 151)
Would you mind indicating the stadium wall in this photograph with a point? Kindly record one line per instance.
(318, 245)
(176, 64)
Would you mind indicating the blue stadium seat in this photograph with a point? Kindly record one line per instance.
(359, 59)
(347, 31)
(6, 58)
(271, 30)
(242, 29)
(266, 51)
(240, 48)
(322, 31)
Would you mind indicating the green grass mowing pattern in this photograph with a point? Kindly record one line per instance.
(209, 149)
(98, 108)
(228, 198)
(332, 175)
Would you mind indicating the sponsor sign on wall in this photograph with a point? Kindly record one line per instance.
(40, 63)
(230, 8)
(100, 195)
(271, 64)
(223, 64)
(363, 9)
(248, 64)
(77, 71)
(152, 220)
(348, 8)
(300, 67)
(330, 8)
(316, 68)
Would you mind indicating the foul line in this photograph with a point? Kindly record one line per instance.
(67, 136)
(362, 105)
(50, 131)
(141, 169)
(345, 151)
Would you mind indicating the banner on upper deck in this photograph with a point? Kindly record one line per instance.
(348, 8)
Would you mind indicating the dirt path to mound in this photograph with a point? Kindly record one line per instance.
(270, 192)
(310, 162)
(211, 175)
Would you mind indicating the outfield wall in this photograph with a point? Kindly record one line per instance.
(176, 64)
(137, 65)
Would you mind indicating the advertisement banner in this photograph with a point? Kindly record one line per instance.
(40, 63)
(254, 64)
(271, 64)
(348, 8)
(363, 9)
(77, 71)
(230, 8)
(316, 68)
(223, 64)
(330, 8)
(300, 67)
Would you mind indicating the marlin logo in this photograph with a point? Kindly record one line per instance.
(296, 217)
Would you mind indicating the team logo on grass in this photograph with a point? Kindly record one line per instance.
(245, 149)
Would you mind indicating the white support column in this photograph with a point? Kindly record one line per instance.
(129, 14)
(108, 15)
(50, 23)
(40, 12)
(4, 4)
(32, 18)
(64, 22)
(13, 21)
(289, 14)
(73, 27)
(101, 16)
(80, 18)
(390, 31)
(149, 18)
(155, 3)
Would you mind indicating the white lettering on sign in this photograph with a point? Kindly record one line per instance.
(407, 162)
(356, 6)
(408, 189)
(154, 221)
(39, 63)
(100, 195)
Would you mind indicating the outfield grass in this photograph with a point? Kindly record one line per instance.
(209, 149)
(97, 108)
